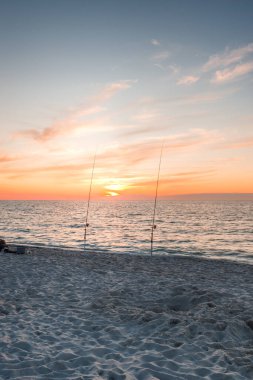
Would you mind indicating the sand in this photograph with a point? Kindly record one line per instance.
(108, 316)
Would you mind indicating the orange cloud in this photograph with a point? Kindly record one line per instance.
(126, 171)
(112, 89)
(150, 148)
(242, 143)
(60, 128)
(75, 170)
(6, 158)
(78, 118)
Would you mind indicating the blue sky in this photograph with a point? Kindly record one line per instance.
(121, 77)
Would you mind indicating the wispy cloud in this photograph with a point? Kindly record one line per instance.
(114, 160)
(155, 42)
(178, 178)
(161, 56)
(6, 158)
(76, 170)
(226, 66)
(228, 57)
(112, 89)
(230, 74)
(146, 116)
(175, 69)
(160, 66)
(188, 80)
(60, 128)
(241, 143)
(79, 118)
(204, 97)
(141, 185)
(135, 153)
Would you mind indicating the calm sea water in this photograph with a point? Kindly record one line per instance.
(221, 229)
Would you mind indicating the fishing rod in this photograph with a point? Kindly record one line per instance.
(88, 204)
(153, 227)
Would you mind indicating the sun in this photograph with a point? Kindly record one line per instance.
(115, 187)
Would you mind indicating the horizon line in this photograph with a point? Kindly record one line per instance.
(186, 196)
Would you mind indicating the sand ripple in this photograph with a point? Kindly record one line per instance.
(101, 316)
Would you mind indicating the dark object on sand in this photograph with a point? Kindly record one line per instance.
(250, 323)
(3, 244)
(20, 250)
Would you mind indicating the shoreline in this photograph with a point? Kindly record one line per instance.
(233, 258)
(124, 316)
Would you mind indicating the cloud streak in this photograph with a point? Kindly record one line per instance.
(112, 89)
(178, 178)
(228, 57)
(230, 74)
(59, 128)
(161, 56)
(227, 66)
(188, 80)
(134, 154)
(70, 170)
(155, 42)
(5, 158)
(80, 118)
(242, 143)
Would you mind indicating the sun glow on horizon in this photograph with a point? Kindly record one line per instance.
(116, 187)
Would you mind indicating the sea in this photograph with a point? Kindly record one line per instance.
(216, 229)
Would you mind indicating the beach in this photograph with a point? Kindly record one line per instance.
(118, 316)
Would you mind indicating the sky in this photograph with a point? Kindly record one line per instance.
(119, 80)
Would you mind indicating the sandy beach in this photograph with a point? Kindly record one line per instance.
(107, 316)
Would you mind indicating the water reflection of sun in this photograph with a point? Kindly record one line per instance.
(111, 194)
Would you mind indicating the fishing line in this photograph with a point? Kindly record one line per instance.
(86, 225)
(153, 227)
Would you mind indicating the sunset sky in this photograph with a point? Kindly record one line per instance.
(120, 78)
